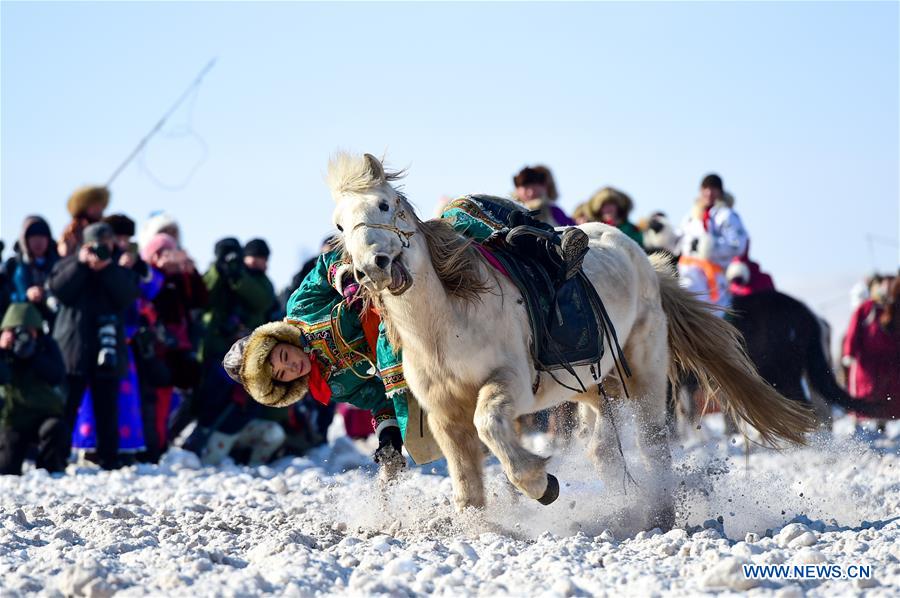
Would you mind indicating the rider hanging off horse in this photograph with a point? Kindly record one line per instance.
(479, 347)
(333, 345)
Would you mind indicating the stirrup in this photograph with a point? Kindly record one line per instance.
(572, 248)
(525, 230)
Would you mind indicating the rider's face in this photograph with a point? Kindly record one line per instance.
(289, 362)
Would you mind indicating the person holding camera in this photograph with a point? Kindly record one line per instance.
(240, 299)
(183, 293)
(31, 400)
(94, 292)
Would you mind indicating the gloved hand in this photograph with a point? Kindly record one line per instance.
(389, 454)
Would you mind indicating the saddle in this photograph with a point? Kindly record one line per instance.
(567, 321)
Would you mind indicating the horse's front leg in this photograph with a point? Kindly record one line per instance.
(459, 442)
(495, 417)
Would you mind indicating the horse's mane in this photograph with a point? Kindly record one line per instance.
(455, 261)
(352, 173)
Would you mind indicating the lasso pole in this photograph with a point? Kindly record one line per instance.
(162, 121)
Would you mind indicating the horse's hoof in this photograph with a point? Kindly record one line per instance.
(552, 491)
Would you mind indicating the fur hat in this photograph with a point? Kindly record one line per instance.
(256, 371)
(85, 197)
(537, 175)
(595, 203)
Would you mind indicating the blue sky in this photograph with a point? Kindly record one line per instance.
(794, 104)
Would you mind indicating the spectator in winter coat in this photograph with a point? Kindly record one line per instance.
(872, 352)
(86, 206)
(29, 269)
(94, 292)
(31, 400)
(159, 222)
(612, 207)
(6, 288)
(536, 190)
(183, 291)
(240, 298)
(171, 316)
(712, 235)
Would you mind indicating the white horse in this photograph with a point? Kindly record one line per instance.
(466, 340)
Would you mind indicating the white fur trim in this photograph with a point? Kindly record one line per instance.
(738, 271)
(386, 424)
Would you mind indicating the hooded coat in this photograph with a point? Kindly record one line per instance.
(26, 270)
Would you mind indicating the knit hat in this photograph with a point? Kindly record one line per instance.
(157, 243)
(257, 248)
(99, 232)
(255, 371)
(121, 224)
(87, 196)
(22, 314)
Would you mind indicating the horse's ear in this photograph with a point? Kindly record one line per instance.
(375, 168)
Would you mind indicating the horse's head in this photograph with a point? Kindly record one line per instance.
(375, 220)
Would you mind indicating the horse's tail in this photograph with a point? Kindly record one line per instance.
(712, 350)
(821, 375)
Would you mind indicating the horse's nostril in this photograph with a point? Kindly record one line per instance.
(382, 261)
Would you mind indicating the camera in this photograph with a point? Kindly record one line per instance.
(24, 344)
(101, 250)
(108, 355)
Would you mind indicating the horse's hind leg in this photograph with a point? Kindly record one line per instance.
(602, 434)
(459, 442)
(494, 418)
(649, 356)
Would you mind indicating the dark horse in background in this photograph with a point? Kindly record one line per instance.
(788, 343)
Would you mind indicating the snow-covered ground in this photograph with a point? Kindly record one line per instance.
(322, 525)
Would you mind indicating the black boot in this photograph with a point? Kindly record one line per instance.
(573, 246)
(566, 249)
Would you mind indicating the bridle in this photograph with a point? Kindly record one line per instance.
(399, 214)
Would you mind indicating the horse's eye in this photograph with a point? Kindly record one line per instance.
(382, 205)
(340, 228)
